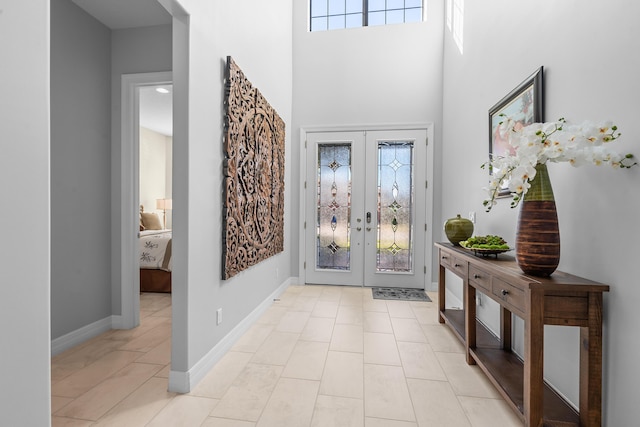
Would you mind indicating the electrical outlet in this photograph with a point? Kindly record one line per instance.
(218, 316)
(479, 300)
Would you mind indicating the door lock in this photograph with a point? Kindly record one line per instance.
(368, 217)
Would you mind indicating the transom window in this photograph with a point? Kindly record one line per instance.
(337, 14)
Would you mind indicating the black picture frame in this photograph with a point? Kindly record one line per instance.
(523, 104)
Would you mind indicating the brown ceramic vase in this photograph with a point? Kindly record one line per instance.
(538, 234)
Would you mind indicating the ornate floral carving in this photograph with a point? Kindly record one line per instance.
(254, 176)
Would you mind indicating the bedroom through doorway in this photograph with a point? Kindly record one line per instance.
(155, 173)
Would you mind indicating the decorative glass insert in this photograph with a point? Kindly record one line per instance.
(337, 14)
(333, 219)
(395, 207)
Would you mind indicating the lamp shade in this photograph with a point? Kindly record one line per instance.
(163, 204)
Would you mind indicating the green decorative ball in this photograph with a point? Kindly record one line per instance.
(458, 229)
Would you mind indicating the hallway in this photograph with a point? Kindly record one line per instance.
(320, 356)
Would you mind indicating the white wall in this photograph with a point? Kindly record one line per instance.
(589, 51)
(155, 150)
(80, 169)
(257, 35)
(374, 75)
(25, 206)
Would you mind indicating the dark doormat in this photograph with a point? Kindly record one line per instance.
(404, 294)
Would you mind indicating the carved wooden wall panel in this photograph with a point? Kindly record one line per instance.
(253, 218)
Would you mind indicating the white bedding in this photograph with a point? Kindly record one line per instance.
(155, 249)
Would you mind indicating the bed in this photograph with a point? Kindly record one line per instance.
(154, 254)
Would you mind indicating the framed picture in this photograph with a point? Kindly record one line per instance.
(523, 104)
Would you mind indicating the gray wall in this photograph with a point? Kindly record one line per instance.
(25, 251)
(133, 50)
(80, 169)
(589, 51)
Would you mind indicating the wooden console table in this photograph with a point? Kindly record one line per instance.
(561, 299)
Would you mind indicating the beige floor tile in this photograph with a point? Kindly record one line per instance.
(272, 315)
(58, 403)
(151, 301)
(144, 327)
(312, 290)
(149, 340)
(343, 375)
(248, 395)
(164, 372)
(325, 309)
(216, 383)
(291, 404)
(466, 380)
(442, 339)
(407, 330)
(75, 359)
(401, 309)
(330, 293)
(69, 422)
(293, 321)
(351, 298)
(436, 405)
(426, 315)
(224, 422)
(307, 361)
(252, 339)
(96, 402)
(160, 355)
(86, 378)
(419, 361)
(379, 422)
(276, 349)
(318, 329)
(489, 412)
(377, 322)
(184, 411)
(380, 349)
(165, 312)
(347, 338)
(304, 303)
(350, 315)
(377, 305)
(386, 394)
(140, 407)
(338, 412)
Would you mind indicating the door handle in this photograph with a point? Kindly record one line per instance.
(358, 228)
(368, 228)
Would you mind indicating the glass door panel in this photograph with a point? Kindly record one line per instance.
(365, 208)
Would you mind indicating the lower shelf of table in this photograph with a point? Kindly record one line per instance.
(506, 371)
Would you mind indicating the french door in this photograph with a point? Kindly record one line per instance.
(365, 208)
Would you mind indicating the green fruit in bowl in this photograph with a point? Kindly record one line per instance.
(485, 242)
(458, 229)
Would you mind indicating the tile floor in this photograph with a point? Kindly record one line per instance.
(321, 356)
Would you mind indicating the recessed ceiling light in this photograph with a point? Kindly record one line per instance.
(162, 90)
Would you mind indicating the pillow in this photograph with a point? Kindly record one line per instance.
(150, 221)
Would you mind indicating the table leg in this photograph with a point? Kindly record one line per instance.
(441, 292)
(534, 358)
(469, 320)
(505, 328)
(591, 365)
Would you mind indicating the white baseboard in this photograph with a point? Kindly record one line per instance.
(183, 382)
(79, 336)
